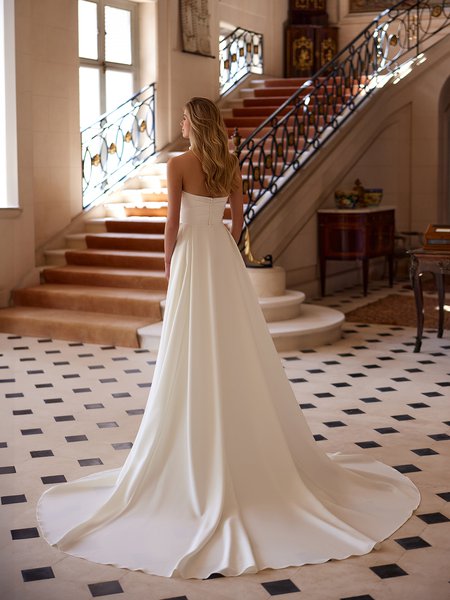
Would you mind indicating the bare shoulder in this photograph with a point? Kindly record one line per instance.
(180, 162)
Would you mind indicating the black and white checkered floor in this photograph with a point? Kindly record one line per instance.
(69, 409)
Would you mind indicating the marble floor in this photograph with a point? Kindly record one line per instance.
(70, 409)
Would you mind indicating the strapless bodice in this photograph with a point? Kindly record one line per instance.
(201, 210)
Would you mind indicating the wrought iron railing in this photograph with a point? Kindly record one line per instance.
(240, 53)
(117, 144)
(287, 139)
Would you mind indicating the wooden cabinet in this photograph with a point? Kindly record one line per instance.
(309, 48)
(356, 234)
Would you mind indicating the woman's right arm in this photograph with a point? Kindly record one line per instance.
(237, 206)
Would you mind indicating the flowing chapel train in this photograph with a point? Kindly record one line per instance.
(224, 475)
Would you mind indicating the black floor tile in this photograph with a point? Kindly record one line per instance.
(439, 437)
(335, 424)
(403, 417)
(407, 468)
(445, 496)
(412, 543)
(94, 405)
(386, 571)
(324, 395)
(369, 444)
(319, 437)
(37, 574)
(433, 518)
(76, 438)
(41, 453)
(419, 405)
(298, 380)
(64, 418)
(107, 424)
(53, 400)
(13, 499)
(122, 445)
(89, 462)
(7, 470)
(424, 451)
(353, 411)
(307, 405)
(53, 479)
(283, 586)
(105, 588)
(34, 431)
(363, 597)
(370, 399)
(24, 534)
(385, 430)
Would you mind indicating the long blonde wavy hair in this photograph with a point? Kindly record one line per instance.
(209, 142)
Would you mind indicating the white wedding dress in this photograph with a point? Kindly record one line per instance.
(224, 475)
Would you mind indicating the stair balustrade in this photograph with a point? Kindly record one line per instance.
(388, 47)
(117, 144)
(240, 53)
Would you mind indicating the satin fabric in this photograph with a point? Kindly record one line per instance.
(224, 475)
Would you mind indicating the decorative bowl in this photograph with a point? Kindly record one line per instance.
(346, 199)
(373, 196)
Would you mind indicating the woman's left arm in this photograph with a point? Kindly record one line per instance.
(174, 188)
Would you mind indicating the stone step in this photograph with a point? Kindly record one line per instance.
(121, 259)
(142, 242)
(282, 308)
(82, 326)
(116, 301)
(316, 326)
(106, 276)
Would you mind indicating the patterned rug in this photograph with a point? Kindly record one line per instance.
(398, 309)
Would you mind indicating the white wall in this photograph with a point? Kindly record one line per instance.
(48, 138)
(181, 75)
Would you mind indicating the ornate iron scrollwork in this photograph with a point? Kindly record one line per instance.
(117, 144)
(240, 53)
(288, 138)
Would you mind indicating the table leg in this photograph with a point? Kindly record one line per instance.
(439, 279)
(365, 266)
(418, 296)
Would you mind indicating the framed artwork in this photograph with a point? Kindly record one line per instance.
(195, 31)
(359, 6)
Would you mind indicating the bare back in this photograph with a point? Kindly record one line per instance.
(193, 178)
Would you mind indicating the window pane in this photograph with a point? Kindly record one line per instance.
(118, 35)
(89, 95)
(119, 87)
(87, 29)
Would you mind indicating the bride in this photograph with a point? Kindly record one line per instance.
(224, 475)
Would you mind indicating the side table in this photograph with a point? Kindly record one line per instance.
(357, 233)
(428, 261)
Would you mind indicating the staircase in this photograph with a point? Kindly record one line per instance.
(114, 269)
(107, 286)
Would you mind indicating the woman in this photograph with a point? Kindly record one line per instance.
(224, 475)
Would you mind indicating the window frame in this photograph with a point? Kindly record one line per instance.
(101, 63)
